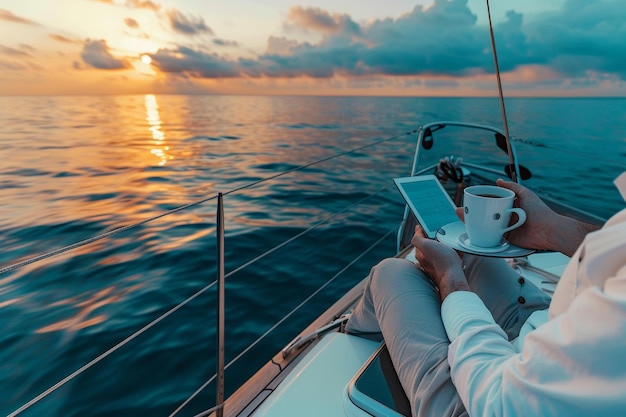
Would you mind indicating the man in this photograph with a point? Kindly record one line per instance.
(469, 336)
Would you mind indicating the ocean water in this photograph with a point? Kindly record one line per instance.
(76, 167)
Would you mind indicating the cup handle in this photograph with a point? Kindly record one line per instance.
(521, 214)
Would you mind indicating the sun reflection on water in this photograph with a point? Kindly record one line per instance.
(84, 316)
(154, 120)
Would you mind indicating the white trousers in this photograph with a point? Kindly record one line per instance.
(402, 303)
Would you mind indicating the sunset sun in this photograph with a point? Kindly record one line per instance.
(146, 59)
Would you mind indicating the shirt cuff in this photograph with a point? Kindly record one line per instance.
(463, 309)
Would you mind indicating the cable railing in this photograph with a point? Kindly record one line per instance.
(219, 281)
(217, 377)
(288, 315)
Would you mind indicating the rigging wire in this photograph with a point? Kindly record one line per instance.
(338, 274)
(264, 254)
(113, 232)
(514, 173)
(106, 354)
(124, 342)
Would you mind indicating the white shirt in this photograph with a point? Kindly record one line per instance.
(573, 364)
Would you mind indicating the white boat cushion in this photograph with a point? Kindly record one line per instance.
(315, 386)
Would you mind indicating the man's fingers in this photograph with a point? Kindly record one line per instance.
(460, 213)
(419, 231)
(513, 186)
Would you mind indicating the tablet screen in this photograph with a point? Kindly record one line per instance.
(428, 201)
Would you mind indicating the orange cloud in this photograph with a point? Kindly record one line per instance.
(143, 4)
(11, 66)
(5, 50)
(136, 4)
(10, 17)
(131, 23)
(322, 21)
(63, 39)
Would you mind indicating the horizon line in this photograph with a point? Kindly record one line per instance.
(494, 96)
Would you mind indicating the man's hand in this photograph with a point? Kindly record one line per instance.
(544, 228)
(540, 219)
(440, 263)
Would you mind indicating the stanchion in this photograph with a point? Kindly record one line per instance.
(221, 309)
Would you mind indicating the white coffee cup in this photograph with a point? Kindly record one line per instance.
(487, 211)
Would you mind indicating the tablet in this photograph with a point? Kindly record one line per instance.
(429, 202)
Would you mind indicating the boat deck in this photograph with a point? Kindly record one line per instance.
(316, 385)
(322, 384)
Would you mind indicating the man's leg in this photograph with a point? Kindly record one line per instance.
(402, 303)
(510, 298)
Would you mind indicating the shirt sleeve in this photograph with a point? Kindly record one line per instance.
(478, 352)
(571, 366)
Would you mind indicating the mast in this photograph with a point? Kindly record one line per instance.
(509, 150)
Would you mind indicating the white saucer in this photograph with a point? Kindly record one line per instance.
(455, 236)
(465, 242)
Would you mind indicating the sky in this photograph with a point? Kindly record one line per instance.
(318, 47)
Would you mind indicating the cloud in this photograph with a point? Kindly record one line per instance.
(63, 39)
(36, 67)
(131, 23)
(187, 25)
(5, 50)
(310, 61)
(10, 17)
(319, 20)
(11, 66)
(224, 42)
(143, 4)
(96, 53)
(27, 47)
(441, 39)
(583, 39)
(135, 4)
(281, 45)
(186, 61)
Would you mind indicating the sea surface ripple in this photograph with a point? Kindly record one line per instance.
(77, 167)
